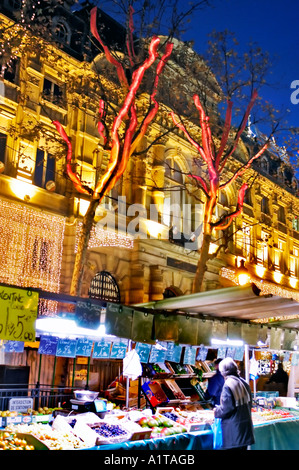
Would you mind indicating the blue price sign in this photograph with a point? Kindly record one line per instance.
(66, 347)
(84, 347)
(48, 345)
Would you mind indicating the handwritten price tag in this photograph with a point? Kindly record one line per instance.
(18, 312)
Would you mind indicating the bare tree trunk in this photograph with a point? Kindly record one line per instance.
(202, 264)
(82, 248)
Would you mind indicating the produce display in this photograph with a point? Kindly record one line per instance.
(53, 439)
(160, 426)
(262, 415)
(191, 420)
(85, 430)
(11, 441)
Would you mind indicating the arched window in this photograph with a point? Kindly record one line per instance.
(265, 164)
(104, 287)
(61, 30)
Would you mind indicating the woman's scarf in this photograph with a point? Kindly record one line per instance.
(238, 389)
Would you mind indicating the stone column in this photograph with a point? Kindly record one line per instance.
(156, 283)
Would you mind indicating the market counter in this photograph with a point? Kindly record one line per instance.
(277, 435)
(274, 435)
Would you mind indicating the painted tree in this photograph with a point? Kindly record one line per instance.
(123, 137)
(216, 160)
(219, 140)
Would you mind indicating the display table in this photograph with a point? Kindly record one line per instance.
(201, 440)
(274, 435)
(277, 435)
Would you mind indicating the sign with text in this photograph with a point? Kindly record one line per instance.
(190, 355)
(20, 404)
(143, 350)
(158, 352)
(14, 346)
(101, 349)
(84, 347)
(18, 312)
(48, 345)
(66, 347)
(174, 352)
(88, 314)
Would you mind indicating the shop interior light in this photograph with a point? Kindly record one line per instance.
(67, 328)
(228, 342)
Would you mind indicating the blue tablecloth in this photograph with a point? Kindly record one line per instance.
(274, 435)
(202, 440)
(277, 435)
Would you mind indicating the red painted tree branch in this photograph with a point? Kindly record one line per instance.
(220, 225)
(73, 176)
(119, 68)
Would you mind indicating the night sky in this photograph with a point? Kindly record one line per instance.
(273, 25)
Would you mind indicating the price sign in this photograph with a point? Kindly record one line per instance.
(14, 346)
(101, 349)
(84, 347)
(18, 309)
(66, 347)
(158, 353)
(190, 355)
(119, 349)
(88, 314)
(173, 352)
(48, 345)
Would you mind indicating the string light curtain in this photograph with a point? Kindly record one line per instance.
(31, 245)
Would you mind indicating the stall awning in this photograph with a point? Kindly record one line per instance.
(243, 303)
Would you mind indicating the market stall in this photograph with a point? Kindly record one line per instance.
(165, 358)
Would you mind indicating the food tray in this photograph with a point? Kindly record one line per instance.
(102, 440)
(33, 441)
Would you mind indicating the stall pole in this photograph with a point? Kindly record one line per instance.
(74, 371)
(39, 370)
(88, 371)
(247, 363)
(128, 380)
(54, 371)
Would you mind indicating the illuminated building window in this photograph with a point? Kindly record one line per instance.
(279, 256)
(263, 250)
(294, 259)
(44, 169)
(265, 205)
(104, 287)
(281, 215)
(295, 223)
(246, 240)
(53, 92)
(3, 139)
(248, 198)
(174, 195)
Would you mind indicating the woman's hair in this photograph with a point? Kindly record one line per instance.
(228, 367)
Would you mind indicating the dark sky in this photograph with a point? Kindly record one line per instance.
(273, 25)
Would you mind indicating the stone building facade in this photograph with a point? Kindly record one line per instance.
(137, 256)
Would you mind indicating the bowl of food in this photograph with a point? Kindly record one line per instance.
(85, 395)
